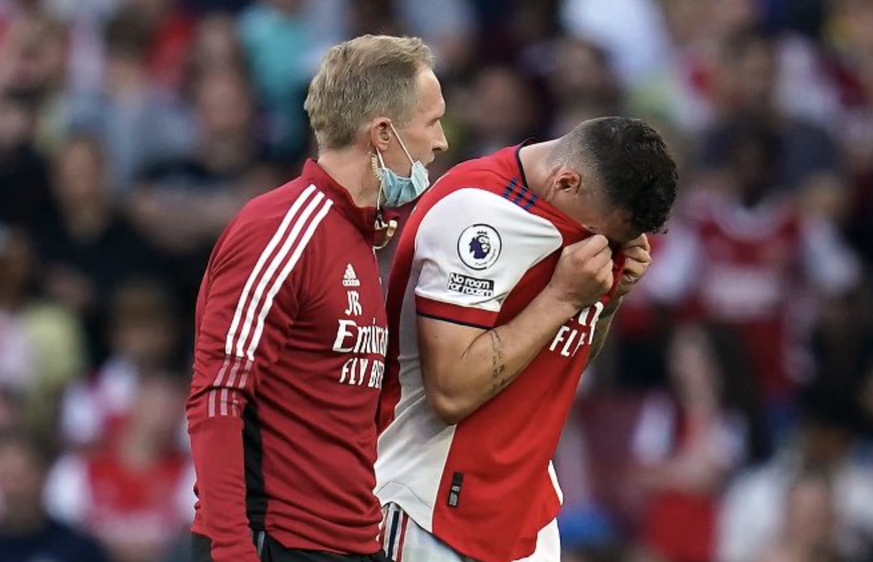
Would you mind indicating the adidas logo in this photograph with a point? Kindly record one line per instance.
(350, 279)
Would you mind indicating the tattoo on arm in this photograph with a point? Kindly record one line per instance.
(498, 368)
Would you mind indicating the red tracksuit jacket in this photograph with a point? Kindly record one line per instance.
(289, 357)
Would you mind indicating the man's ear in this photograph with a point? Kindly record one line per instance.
(568, 180)
(379, 133)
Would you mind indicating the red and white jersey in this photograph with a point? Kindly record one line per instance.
(291, 336)
(752, 255)
(147, 506)
(741, 267)
(477, 249)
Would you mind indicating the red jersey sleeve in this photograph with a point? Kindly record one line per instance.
(248, 299)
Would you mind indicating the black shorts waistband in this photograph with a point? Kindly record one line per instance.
(270, 550)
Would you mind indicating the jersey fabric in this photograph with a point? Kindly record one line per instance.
(289, 357)
(119, 504)
(750, 280)
(478, 248)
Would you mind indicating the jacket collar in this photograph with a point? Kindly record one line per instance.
(363, 218)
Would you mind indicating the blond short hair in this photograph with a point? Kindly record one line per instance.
(366, 77)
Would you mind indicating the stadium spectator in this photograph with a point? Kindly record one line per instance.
(689, 442)
(284, 41)
(27, 532)
(133, 492)
(754, 515)
(136, 122)
(143, 333)
(85, 248)
(29, 325)
(24, 178)
(743, 253)
(810, 527)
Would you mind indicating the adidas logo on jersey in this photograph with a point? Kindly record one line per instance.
(350, 279)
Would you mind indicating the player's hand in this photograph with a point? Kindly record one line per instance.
(584, 272)
(637, 259)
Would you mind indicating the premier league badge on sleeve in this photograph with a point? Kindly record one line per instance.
(479, 246)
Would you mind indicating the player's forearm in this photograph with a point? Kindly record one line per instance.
(603, 326)
(464, 381)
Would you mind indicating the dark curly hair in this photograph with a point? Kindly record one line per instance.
(632, 164)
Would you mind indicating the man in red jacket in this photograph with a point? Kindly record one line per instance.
(291, 330)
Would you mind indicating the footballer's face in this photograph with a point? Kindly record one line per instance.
(423, 134)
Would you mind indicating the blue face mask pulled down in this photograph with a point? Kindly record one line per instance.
(396, 189)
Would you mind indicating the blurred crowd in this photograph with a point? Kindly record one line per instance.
(729, 418)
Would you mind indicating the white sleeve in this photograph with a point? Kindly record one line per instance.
(184, 496)
(827, 260)
(471, 250)
(67, 492)
(749, 518)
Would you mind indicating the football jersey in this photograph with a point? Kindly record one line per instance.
(743, 268)
(477, 249)
(750, 280)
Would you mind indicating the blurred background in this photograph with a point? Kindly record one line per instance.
(729, 418)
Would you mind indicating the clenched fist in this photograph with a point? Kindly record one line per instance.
(637, 259)
(584, 272)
